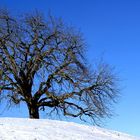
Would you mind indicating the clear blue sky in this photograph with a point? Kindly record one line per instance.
(112, 29)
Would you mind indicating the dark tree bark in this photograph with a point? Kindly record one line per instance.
(33, 111)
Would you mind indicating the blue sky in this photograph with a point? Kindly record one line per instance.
(112, 31)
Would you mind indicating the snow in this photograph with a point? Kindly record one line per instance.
(43, 129)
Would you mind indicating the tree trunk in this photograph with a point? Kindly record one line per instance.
(33, 112)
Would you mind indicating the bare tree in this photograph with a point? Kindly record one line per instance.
(42, 63)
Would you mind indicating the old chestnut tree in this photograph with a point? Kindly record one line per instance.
(42, 63)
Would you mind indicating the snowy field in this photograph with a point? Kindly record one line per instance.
(27, 129)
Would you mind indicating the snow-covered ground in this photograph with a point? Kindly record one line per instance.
(29, 129)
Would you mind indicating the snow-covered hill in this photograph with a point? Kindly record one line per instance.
(29, 129)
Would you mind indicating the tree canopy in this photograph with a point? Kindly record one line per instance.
(43, 63)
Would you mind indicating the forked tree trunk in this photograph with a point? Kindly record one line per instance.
(33, 112)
